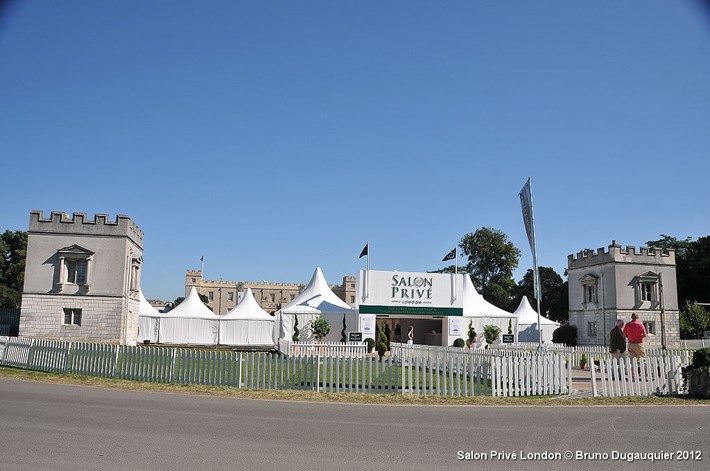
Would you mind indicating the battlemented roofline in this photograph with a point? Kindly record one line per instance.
(59, 222)
(618, 253)
(254, 283)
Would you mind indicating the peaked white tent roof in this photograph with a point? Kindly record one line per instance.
(474, 305)
(527, 315)
(317, 298)
(248, 309)
(144, 308)
(192, 307)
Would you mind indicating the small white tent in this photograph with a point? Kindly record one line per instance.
(148, 321)
(316, 300)
(527, 324)
(247, 324)
(482, 313)
(191, 322)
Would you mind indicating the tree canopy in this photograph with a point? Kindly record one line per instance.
(13, 250)
(692, 266)
(554, 293)
(491, 257)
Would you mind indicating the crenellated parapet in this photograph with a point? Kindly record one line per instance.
(617, 253)
(79, 224)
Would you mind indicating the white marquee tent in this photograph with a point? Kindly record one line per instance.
(148, 321)
(247, 324)
(316, 300)
(483, 313)
(527, 324)
(191, 322)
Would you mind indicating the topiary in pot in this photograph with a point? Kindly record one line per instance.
(583, 361)
(296, 332)
(370, 344)
(382, 343)
(459, 343)
(697, 376)
(491, 333)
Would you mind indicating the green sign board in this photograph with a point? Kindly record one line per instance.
(411, 310)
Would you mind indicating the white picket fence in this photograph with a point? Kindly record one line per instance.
(300, 349)
(505, 373)
(454, 373)
(658, 373)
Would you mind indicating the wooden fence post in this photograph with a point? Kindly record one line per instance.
(29, 354)
(115, 362)
(171, 376)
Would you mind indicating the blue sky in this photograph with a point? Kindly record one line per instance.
(274, 137)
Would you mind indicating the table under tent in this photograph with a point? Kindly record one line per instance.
(148, 321)
(190, 323)
(527, 324)
(316, 300)
(247, 325)
(482, 313)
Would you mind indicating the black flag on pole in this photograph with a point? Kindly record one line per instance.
(450, 256)
(202, 259)
(365, 250)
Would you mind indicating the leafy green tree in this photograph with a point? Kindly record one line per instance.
(694, 321)
(491, 259)
(13, 251)
(554, 293)
(320, 327)
(692, 266)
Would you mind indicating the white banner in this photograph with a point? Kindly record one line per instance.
(411, 293)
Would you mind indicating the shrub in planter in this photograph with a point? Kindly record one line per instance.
(370, 344)
(583, 361)
(460, 343)
(382, 343)
(697, 375)
(566, 334)
(491, 333)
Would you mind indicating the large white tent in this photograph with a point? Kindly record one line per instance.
(527, 324)
(148, 321)
(316, 300)
(191, 322)
(247, 324)
(482, 313)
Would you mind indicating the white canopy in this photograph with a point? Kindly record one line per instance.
(247, 324)
(191, 322)
(148, 320)
(527, 324)
(483, 313)
(316, 300)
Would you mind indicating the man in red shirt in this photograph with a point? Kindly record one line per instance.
(635, 331)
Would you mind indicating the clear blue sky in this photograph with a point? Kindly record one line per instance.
(276, 136)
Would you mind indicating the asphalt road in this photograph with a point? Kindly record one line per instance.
(58, 427)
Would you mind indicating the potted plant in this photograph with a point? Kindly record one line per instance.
(382, 343)
(459, 343)
(370, 344)
(491, 333)
(696, 376)
(471, 341)
(583, 361)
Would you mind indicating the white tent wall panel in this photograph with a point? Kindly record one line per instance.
(240, 332)
(148, 329)
(189, 331)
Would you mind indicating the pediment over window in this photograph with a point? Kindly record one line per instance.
(648, 277)
(589, 279)
(75, 251)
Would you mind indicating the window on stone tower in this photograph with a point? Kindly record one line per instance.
(72, 316)
(76, 271)
(230, 296)
(590, 293)
(650, 327)
(647, 291)
(592, 329)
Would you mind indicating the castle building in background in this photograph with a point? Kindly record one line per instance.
(607, 285)
(82, 278)
(222, 296)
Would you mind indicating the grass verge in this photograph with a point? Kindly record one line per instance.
(352, 398)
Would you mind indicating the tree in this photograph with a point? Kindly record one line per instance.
(491, 257)
(554, 293)
(692, 266)
(320, 327)
(13, 251)
(694, 321)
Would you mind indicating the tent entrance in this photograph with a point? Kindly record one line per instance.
(428, 330)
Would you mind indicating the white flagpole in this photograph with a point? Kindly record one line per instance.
(367, 292)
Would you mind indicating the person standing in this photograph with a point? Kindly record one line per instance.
(635, 332)
(617, 342)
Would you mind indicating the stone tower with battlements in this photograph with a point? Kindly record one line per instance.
(610, 284)
(82, 278)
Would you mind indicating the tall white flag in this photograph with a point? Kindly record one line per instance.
(526, 203)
